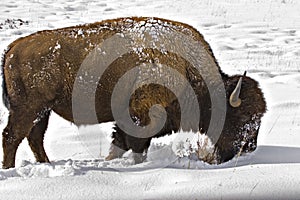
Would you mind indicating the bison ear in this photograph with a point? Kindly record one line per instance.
(234, 99)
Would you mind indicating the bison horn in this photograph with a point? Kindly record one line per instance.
(234, 99)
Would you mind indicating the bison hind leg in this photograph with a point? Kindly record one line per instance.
(10, 143)
(19, 125)
(36, 138)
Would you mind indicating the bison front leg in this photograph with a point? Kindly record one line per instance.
(36, 138)
(122, 142)
(118, 146)
(17, 129)
(139, 148)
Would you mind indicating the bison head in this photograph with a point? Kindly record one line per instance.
(245, 107)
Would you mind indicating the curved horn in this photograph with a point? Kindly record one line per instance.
(234, 99)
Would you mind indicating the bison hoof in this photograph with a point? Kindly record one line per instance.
(115, 152)
(4, 166)
(139, 158)
(110, 157)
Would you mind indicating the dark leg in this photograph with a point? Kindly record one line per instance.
(36, 138)
(118, 146)
(139, 147)
(10, 145)
(122, 142)
(18, 127)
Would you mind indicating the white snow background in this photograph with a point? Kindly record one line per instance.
(260, 36)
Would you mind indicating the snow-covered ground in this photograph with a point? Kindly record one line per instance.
(260, 36)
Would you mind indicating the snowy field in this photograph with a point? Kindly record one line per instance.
(260, 36)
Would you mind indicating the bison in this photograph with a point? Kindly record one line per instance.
(40, 72)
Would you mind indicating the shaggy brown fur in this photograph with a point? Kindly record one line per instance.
(39, 78)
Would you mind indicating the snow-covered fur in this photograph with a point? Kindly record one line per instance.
(40, 71)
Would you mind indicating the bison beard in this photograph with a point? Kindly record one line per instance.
(39, 72)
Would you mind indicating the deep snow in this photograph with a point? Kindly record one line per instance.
(262, 37)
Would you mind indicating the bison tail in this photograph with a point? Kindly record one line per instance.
(4, 88)
(4, 94)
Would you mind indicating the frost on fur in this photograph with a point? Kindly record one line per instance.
(199, 147)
